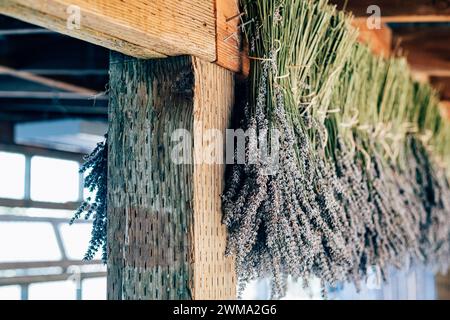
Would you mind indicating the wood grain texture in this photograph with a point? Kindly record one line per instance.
(401, 10)
(427, 48)
(230, 45)
(13, 9)
(165, 237)
(151, 27)
(214, 276)
(443, 286)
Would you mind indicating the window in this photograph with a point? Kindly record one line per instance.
(23, 241)
(12, 173)
(58, 290)
(54, 180)
(10, 293)
(76, 240)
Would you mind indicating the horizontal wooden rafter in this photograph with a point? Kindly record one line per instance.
(208, 29)
(55, 84)
(150, 28)
(426, 48)
(46, 264)
(18, 280)
(400, 10)
(34, 12)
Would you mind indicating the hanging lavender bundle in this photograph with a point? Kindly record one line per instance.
(96, 167)
(291, 221)
(348, 196)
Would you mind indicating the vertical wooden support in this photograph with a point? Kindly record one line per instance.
(443, 286)
(165, 237)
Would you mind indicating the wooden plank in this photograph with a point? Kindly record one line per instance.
(214, 275)
(400, 10)
(141, 28)
(45, 264)
(427, 48)
(40, 151)
(15, 203)
(165, 237)
(443, 286)
(9, 281)
(58, 95)
(52, 83)
(379, 40)
(21, 218)
(16, 10)
(230, 44)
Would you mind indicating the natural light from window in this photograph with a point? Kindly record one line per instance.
(12, 173)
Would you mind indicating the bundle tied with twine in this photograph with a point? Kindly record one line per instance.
(361, 180)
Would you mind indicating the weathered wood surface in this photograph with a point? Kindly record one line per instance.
(443, 286)
(208, 29)
(151, 27)
(230, 43)
(165, 237)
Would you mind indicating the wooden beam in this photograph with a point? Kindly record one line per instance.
(56, 84)
(66, 72)
(443, 286)
(165, 236)
(15, 203)
(20, 32)
(230, 51)
(208, 29)
(10, 281)
(48, 108)
(22, 218)
(49, 95)
(45, 264)
(26, 11)
(43, 152)
(151, 27)
(427, 48)
(400, 10)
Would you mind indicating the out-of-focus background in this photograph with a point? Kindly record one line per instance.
(53, 110)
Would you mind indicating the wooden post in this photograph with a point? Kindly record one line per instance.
(165, 237)
(443, 286)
